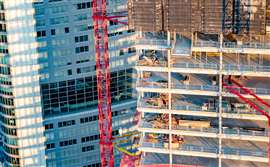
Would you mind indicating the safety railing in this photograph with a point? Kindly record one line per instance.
(145, 124)
(206, 44)
(258, 91)
(199, 65)
(188, 147)
(152, 64)
(205, 130)
(257, 45)
(242, 152)
(231, 45)
(193, 108)
(144, 104)
(224, 131)
(232, 67)
(149, 84)
(246, 45)
(196, 87)
(185, 147)
(245, 132)
(225, 109)
(152, 145)
(152, 42)
(195, 148)
(240, 111)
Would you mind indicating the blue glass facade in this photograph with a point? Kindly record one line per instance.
(64, 61)
(7, 112)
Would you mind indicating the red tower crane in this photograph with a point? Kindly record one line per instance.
(100, 20)
(103, 82)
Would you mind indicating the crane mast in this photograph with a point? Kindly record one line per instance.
(103, 82)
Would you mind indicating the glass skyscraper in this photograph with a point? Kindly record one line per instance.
(48, 98)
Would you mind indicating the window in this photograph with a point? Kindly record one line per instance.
(80, 17)
(50, 146)
(121, 52)
(130, 31)
(58, 9)
(131, 50)
(3, 50)
(54, 0)
(66, 30)
(81, 38)
(81, 93)
(39, 11)
(89, 119)
(48, 126)
(66, 123)
(82, 49)
(40, 22)
(88, 148)
(2, 6)
(67, 142)
(41, 33)
(84, 5)
(82, 61)
(69, 72)
(89, 138)
(2, 17)
(115, 132)
(3, 38)
(85, 69)
(52, 31)
(93, 165)
(113, 23)
(59, 20)
(3, 28)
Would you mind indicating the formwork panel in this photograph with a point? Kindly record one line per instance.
(212, 16)
(205, 16)
(145, 15)
(257, 16)
(177, 15)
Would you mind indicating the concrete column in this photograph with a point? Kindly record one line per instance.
(170, 97)
(168, 38)
(220, 103)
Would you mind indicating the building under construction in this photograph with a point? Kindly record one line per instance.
(203, 81)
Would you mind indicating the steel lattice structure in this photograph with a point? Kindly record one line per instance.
(100, 19)
(103, 82)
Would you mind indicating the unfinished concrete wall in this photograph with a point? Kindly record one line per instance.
(258, 15)
(197, 15)
(145, 15)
